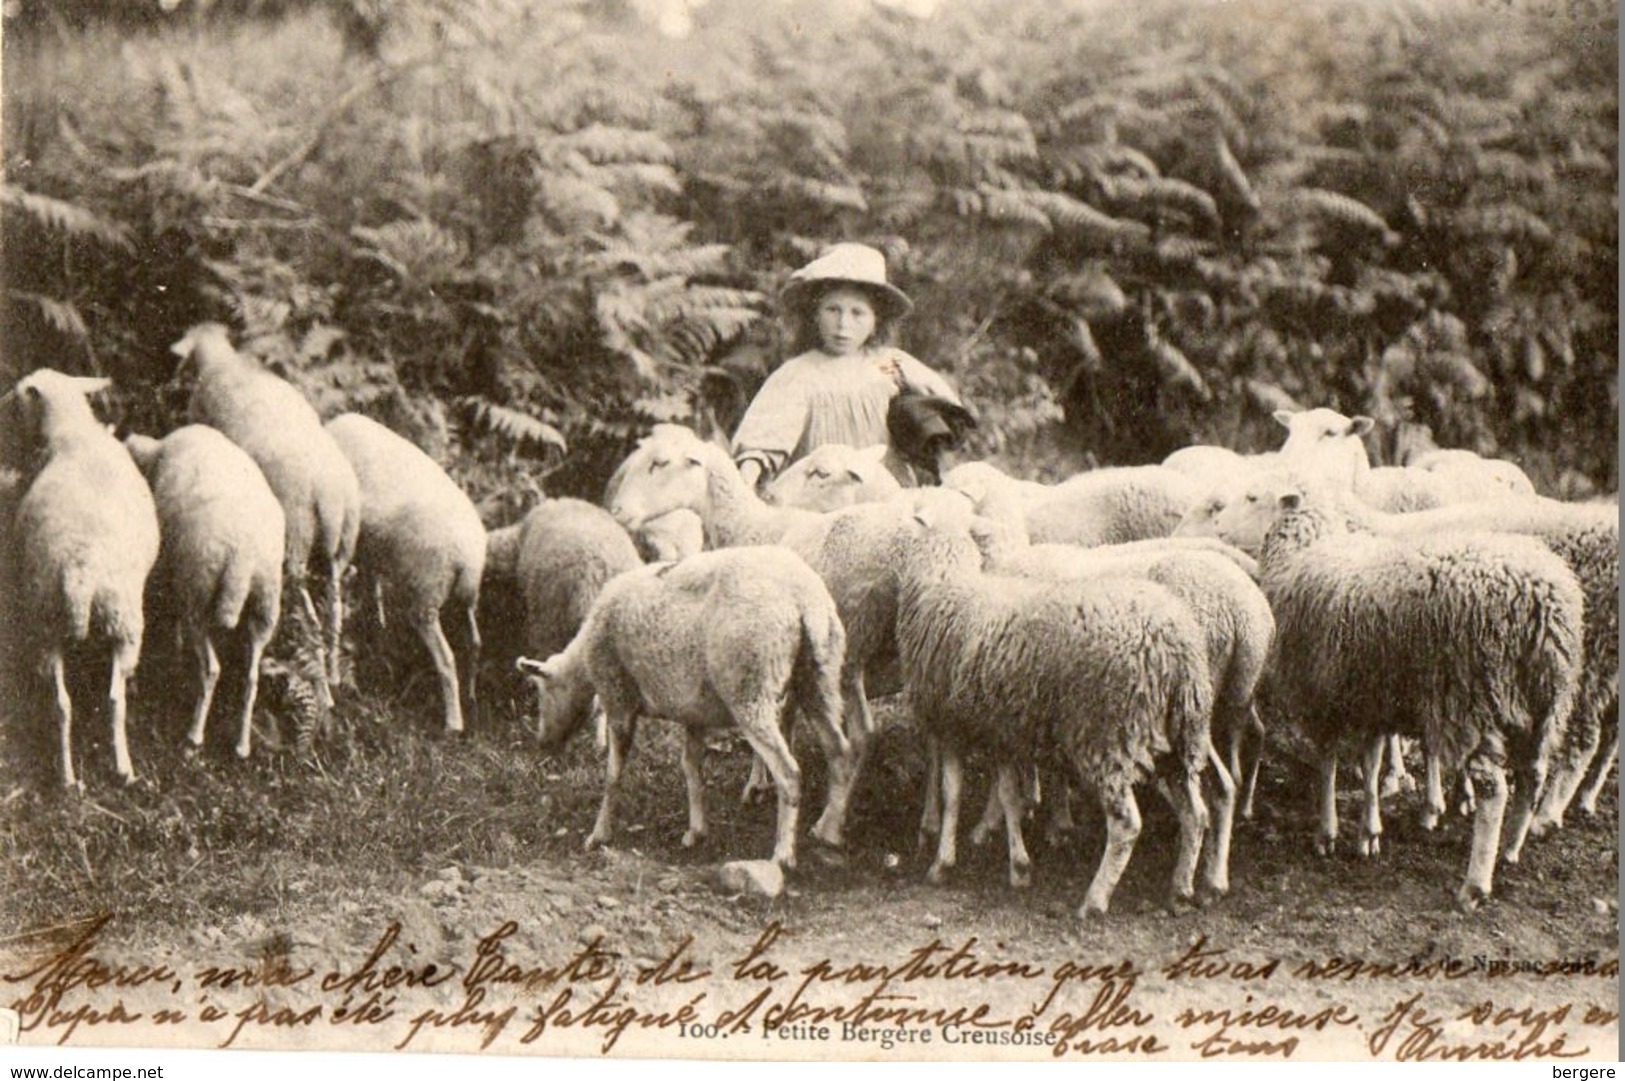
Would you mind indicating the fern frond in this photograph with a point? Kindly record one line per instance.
(63, 317)
(519, 429)
(1177, 371)
(1503, 221)
(418, 252)
(1322, 206)
(70, 219)
(1082, 221)
(605, 145)
(1149, 198)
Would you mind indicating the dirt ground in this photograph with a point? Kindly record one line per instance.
(870, 943)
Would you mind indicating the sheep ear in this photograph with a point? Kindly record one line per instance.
(1284, 417)
(185, 344)
(1359, 426)
(539, 669)
(90, 384)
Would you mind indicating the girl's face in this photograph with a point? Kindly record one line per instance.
(846, 320)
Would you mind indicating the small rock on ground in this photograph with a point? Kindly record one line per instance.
(758, 878)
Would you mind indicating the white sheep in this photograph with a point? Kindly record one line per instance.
(423, 542)
(320, 495)
(562, 554)
(674, 469)
(1317, 439)
(725, 638)
(833, 476)
(221, 553)
(87, 535)
(1584, 535)
(1483, 478)
(1104, 506)
(1470, 640)
(1111, 673)
(1228, 606)
(674, 535)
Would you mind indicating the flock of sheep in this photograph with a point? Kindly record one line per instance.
(1094, 635)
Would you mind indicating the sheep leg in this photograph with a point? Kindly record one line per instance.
(693, 757)
(1216, 845)
(953, 776)
(1491, 784)
(1398, 778)
(1434, 809)
(445, 665)
(1371, 834)
(1588, 797)
(1238, 741)
(335, 618)
(931, 813)
(1012, 802)
(993, 816)
(1194, 821)
(622, 730)
(1059, 823)
(1122, 830)
(56, 670)
(1326, 841)
(324, 686)
(209, 672)
(760, 727)
(845, 762)
(758, 784)
(471, 663)
(121, 743)
(257, 641)
(1565, 780)
(1529, 776)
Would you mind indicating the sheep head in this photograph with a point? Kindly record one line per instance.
(667, 471)
(834, 476)
(564, 701)
(56, 406)
(206, 347)
(1325, 443)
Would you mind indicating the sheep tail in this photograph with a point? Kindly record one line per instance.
(1190, 717)
(816, 678)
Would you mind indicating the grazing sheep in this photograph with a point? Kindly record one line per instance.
(1470, 640)
(87, 537)
(564, 551)
(1112, 673)
(1230, 609)
(1488, 478)
(423, 541)
(833, 476)
(1105, 506)
(1584, 535)
(314, 482)
(221, 552)
(725, 638)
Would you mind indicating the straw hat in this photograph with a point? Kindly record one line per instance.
(847, 264)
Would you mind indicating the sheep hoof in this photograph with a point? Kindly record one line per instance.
(979, 836)
(1466, 808)
(1430, 819)
(692, 838)
(1588, 807)
(1395, 783)
(787, 861)
(243, 752)
(1216, 891)
(1469, 898)
(1092, 910)
(1325, 847)
(190, 751)
(1540, 827)
(1180, 903)
(938, 874)
(1021, 876)
(1370, 846)
(595, 840)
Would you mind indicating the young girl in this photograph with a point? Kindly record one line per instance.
(838, 387)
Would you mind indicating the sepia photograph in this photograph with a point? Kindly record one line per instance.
(810, 530)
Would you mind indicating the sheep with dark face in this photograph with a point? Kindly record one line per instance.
(731, 638)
